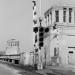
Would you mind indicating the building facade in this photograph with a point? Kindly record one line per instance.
(27, 58)
(12, 47)
(59, 46)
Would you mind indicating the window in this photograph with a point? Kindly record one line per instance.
(57, 15)
(15, 43)
(48, 19)
(64, 14)
(70, 14)
(35, 38)
(11, 44)
(56, 51)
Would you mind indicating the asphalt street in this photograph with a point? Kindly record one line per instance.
(9, 69)
(6, 70)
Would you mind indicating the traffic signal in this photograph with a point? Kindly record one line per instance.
(35, 22)
(54, 27)
(36, 50)
(35, 29)
(35, 38)
(41, 36)
(34, 2)
(46, 29)
(46, 32)
(42, 33)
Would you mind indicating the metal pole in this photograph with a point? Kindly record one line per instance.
(35, 25)
(45, 56)
(39, 53)
(40, 8)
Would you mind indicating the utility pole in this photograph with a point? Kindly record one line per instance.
(36, 28)
(35, 32)
(40, 64)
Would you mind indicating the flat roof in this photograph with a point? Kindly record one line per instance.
(58, 7)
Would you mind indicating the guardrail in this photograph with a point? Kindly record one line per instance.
(11, 58)
(22, 58)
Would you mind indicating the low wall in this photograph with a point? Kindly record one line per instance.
(26, 59)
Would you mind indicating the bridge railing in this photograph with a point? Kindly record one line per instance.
(22, 58)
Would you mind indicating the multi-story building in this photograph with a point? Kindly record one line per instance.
(12, 47)
(59, 46)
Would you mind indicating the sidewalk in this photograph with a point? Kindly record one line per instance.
(55, 70)
(62, 67)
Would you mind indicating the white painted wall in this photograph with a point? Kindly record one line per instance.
(13, 50)
(63, 50)
(53, 16)
(61, 16)
(73, 16)
(26, 59)
(64, 40)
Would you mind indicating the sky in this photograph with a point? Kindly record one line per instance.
(16, 23)
(16, 20)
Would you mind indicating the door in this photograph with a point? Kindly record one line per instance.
(71, 57)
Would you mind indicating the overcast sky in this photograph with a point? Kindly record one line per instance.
(16, 20)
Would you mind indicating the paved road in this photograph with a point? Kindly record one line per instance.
(6, 70)
(9, 69)
(58, 70)
(63, 70)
